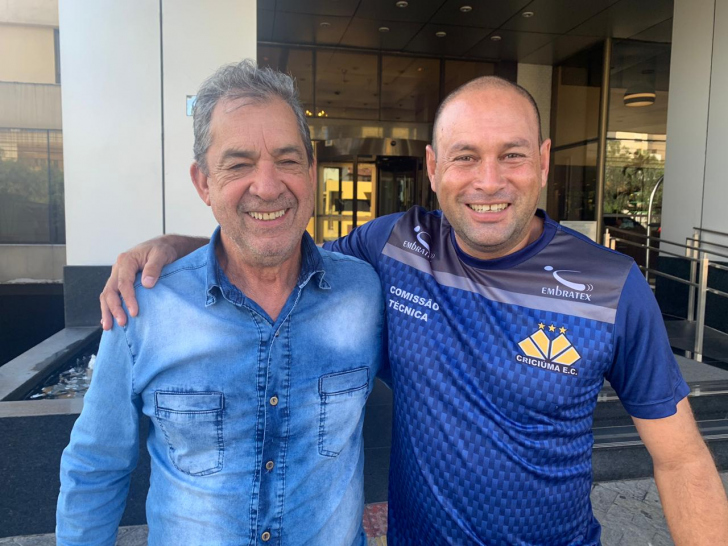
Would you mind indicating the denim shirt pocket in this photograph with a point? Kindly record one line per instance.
(192, 426)
(343, 395)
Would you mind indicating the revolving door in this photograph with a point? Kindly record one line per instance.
(361, 179)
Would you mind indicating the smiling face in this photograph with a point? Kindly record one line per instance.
(489, 169)
(259, 185)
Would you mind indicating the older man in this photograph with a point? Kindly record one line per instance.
(502, 327)
(255, 395)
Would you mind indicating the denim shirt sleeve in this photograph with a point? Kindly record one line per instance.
(97, 464)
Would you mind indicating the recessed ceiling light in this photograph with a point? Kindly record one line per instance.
(324, 24)
(440, 33)
(527, 14)
(466, 9)
(402, 4)
(420, 69)
(495, 38)
(383, 29)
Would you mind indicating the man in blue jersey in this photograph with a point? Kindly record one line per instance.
(502, 327)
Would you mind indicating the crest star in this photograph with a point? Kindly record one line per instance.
(541, 326)
(552, 328)
(562, 330)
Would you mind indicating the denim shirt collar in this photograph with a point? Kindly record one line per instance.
(218, 283)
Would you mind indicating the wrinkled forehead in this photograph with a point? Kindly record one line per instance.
(256, 118)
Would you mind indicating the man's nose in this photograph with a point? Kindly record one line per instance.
(489, 178)
(267, 184)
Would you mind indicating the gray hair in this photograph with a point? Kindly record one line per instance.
(485, 82)
(244, 80)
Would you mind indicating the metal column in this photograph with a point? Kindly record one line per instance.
(602, 145)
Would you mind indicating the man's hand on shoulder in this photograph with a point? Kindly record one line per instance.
(151, 256)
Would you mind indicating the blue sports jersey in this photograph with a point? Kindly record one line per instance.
(496, 367)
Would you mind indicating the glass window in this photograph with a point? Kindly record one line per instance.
(31, 187)
(410, 88)
(574, 183)
(296, 62)
(346, 85)
(458, 73)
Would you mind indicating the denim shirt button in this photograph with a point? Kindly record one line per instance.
(273, 400)
(265, 537)
(269, 465)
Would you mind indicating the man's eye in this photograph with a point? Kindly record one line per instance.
(239, 166)
(465, 158)
(513, 156)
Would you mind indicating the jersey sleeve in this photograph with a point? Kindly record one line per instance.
(366, 241)
(644, 371)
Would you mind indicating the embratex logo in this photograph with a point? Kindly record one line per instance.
(576, 290)
(422, 246)
(556, 355)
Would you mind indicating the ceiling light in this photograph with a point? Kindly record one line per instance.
(527, 14)
(495, 38)
(324, 24)
(466, 9)
(420, 69)
(440, 33)
(383, 29)
(640, 94)
(402, 4)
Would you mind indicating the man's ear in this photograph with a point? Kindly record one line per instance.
(431, 161)
(545, 153)
(200, 181)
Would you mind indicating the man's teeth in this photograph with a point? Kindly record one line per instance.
(267, 215)
(489, 208)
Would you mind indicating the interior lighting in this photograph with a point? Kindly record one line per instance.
(495, 38)
(324, 24)
(640, 94)
(420, 69)
(402, 4)
(309, 113)
(383, 29)
(440, 33)
(527, 14)
(466, 9)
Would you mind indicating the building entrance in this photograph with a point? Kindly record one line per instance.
(361, 179)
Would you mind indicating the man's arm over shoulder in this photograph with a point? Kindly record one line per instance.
(148, 257)
(103, 451)
(366, 241)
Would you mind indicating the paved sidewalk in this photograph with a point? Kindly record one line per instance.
(629, 511)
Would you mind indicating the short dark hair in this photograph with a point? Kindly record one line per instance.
(485, 82)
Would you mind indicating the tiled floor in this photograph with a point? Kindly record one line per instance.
(629, 511)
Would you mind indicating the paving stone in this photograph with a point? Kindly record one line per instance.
(602, 498)
(611, 536)
(636, 536)
(662, 539)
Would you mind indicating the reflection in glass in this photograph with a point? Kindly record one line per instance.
(577, 91)
(574, 182)
(296, 62)
(459, 72)
(31, 187)
(346, 85)
(409, 88)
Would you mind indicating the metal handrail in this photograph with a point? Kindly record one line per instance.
(664, 241)
(698, 284)
(711, 231)
(649, 224)
(706, 242)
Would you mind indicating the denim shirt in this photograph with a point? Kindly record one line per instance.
(256, 425)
